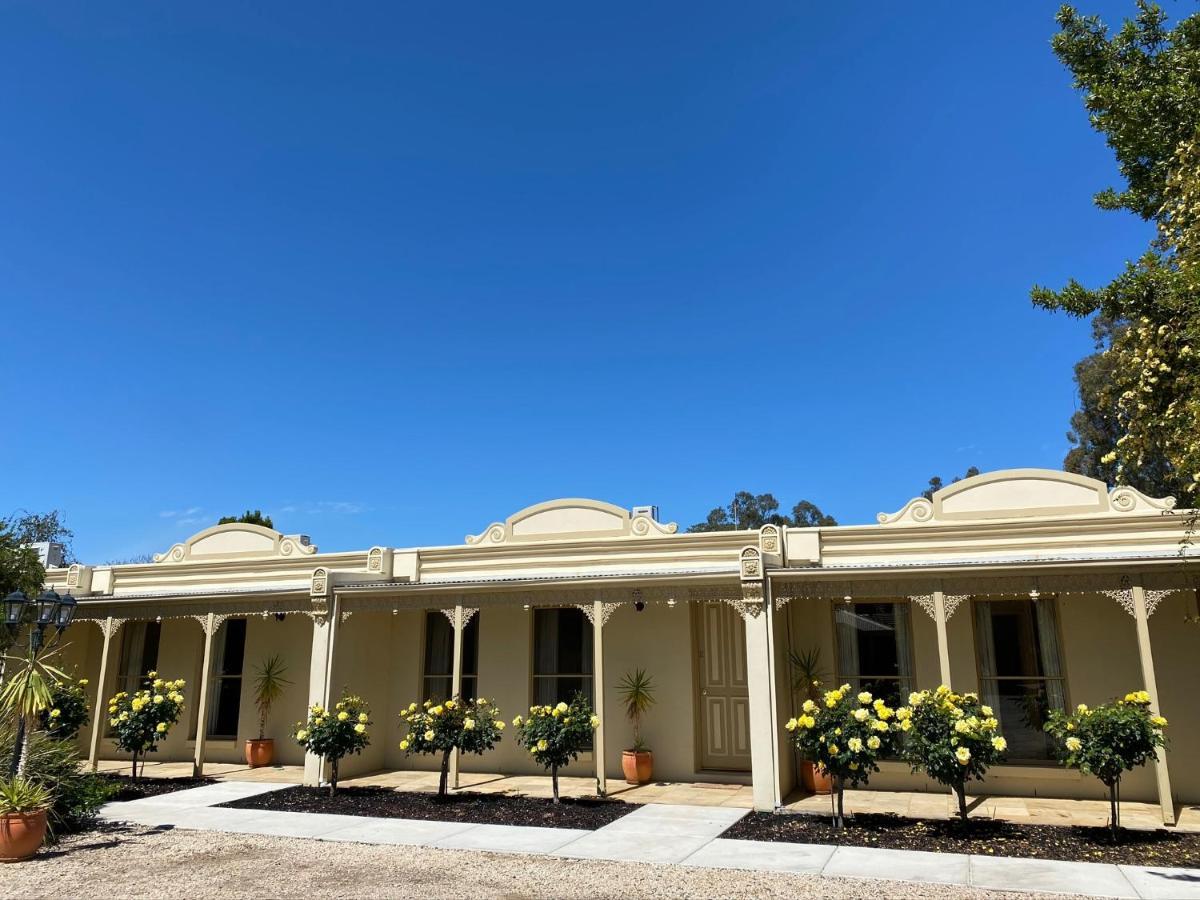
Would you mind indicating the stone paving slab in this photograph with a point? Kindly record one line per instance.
(209, 794)
(1009, 873)
(900, 865)
(1156, 883)
(288, 824)
(633, 846)
(766, 856)
(410, 832)
(512, 838)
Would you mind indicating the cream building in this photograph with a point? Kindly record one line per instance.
(1036, 588)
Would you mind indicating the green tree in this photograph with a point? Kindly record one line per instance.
(249, 517)
(747, 511)
(1139, 416)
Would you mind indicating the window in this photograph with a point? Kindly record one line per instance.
(139, 655)
(1020, 670)
(226, 704)
(562, 655)
(874, 649)
(437, 677)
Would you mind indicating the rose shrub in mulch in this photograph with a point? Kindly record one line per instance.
(469, 726)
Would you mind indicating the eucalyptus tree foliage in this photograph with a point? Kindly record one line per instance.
(1139, 416)
(749, 511)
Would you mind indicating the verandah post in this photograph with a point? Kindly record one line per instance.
(108, 627)
(209, 626)
(1142, 620)
(456, 678)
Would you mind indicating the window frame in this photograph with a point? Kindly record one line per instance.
(590, 677)
(1063, 679)
(423, 678)
(216, 679)
(909, 652)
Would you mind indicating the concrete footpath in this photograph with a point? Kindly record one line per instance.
(657, 833)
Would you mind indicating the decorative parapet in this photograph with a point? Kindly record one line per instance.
(380, 561)
(771, 544)
(320, 594)
(1024, 494)
(570, 519)
(237, 540)
(79, 579)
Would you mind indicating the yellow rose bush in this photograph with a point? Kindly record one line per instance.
(556, 735)
(334, 734)
(1107, 741)
(845, 734)
(68, 710)
(469, 726)
(142, 719)
(952, 738)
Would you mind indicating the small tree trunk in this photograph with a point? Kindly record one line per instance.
(333, 767)
(554, 781)
(960, 791)
(839, 820)
(1114, 809)
(444, 779)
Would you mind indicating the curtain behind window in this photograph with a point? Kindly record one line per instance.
(1047, 632)
(989, 690)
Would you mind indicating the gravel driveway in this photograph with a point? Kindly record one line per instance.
(133, 861)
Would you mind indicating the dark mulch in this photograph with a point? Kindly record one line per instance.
(125, 788)
(981, 836)
(485, 809)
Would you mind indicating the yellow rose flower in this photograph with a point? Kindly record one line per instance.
(404, 745)
(1159, 721)
(517, 722)
(83, 682)
(595, 721)
(360, 728)
(55, 713)
(343, 716)
(855, 745)
(158, 698)
(429, 735)
(1000, 743)
(542, 745)
(963, 755)
(833, 749)
(301, 735)
(561, 707)
(864, 697)
(861, 714)
(468, 724)
(873, 742)
(791, 724)
(808, 706)
(161, 728)
(499, 725)
(1074, 744)
(362, 717)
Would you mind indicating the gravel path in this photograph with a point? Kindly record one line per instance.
(131, 861)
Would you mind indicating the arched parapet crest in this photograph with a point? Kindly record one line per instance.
(1024, 494)
(568, 519)
(237, 540)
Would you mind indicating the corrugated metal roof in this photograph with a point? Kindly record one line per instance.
(1000, 560)
(219, 592)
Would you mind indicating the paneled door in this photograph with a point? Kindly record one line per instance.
(720, 646)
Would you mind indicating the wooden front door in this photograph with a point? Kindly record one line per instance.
(720, 643)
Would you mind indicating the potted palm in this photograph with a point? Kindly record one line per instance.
(806, 680)
(637, 693)
(23, 808)
(268, 688)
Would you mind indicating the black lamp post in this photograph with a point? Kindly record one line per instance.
(49, 609)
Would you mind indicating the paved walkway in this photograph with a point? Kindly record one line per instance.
(688, 835)
(914, 804)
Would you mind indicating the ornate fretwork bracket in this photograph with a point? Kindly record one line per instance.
(606, 611)
(950, 603)
(217, 621)
(346, 614)
(467, 611)
(1124, 597)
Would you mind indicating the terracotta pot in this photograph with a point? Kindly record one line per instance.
(21, 834)
(260, 753)
(815, 779)
(638, 766)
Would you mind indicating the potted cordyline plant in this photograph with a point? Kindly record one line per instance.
(23, 809)
(637, 693)
(268, 688)
(807, 676)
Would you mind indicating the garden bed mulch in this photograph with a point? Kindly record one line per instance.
(465, 806)
(984, 837)
(125, 788)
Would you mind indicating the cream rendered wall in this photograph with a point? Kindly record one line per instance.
(362, 657)
(1176, 648)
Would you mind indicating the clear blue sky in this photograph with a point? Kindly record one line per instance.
(393, 273)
